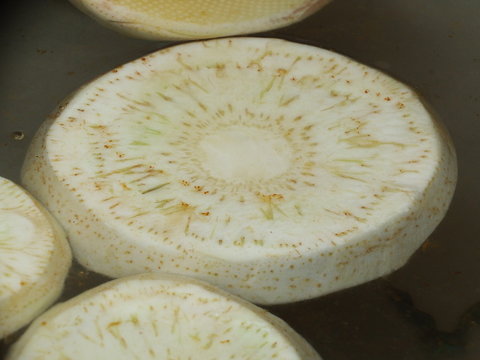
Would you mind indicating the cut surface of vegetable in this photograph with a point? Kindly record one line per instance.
(34, 258)
(159, 316)
(194, 19)
(275, 170)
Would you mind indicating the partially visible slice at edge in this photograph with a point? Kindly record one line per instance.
(34, 258)
(160, 316)
(193, 19)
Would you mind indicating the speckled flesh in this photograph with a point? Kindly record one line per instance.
(194, 19)
(159, 316)
(275, 170)
(34, 258)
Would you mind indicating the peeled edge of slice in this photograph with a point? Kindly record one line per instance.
(107, 14)
(376, 255)
(34, 297)
(149, 287)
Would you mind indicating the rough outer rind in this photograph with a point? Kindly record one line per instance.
(147, 26)
(42, 284)
(133, 317)
(307, 265)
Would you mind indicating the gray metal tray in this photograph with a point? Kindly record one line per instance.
(429, 309)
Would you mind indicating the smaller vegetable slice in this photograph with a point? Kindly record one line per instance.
(159, 316)
(194, 19)
(34, 258)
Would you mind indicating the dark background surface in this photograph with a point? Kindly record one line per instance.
(429, 309)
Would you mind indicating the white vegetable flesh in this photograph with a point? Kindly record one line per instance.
(275, 170)
(157, 316)
(34, 258)
(193, 19)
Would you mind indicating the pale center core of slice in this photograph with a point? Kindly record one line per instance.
(15, 230)
(240, 153)
(16, 260)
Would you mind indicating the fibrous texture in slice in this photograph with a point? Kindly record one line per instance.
(34, 258)
(158, 316)
(194, 19)
(276, 170)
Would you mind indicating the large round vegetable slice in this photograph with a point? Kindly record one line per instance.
(34, 258)
(158, 316)
(275, 170)
(195, 19)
